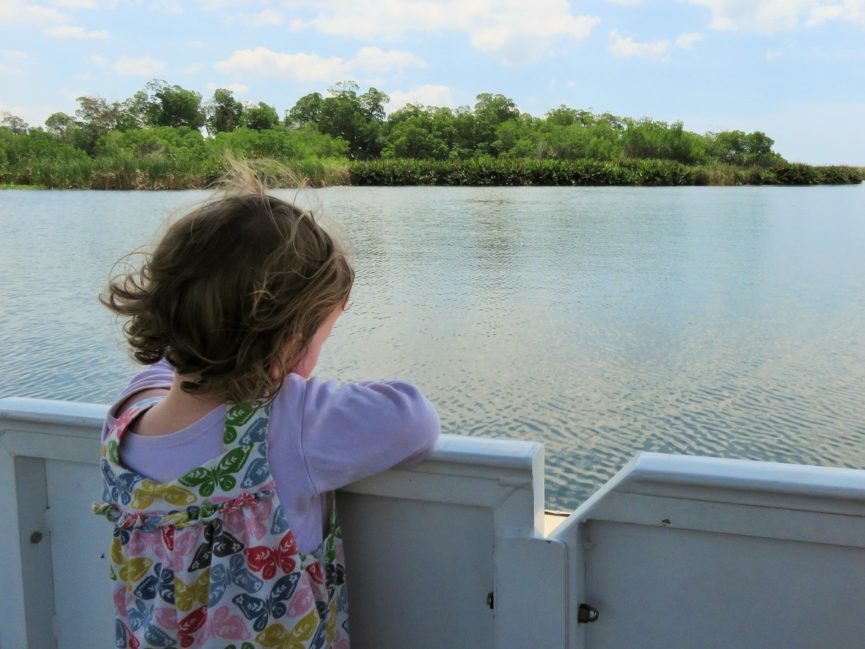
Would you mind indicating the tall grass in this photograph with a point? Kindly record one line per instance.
(162, 172)
(496, 171)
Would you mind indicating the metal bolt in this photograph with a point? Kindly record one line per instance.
(35, 537)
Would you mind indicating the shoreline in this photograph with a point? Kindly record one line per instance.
(100, 174)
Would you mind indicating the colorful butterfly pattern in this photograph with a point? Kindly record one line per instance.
(208, 560)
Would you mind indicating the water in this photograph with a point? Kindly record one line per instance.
(603, 321)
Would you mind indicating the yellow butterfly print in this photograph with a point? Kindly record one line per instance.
(189, 596)
(148, 491)
(279, 637)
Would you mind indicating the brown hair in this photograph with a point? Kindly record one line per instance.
(228, 287)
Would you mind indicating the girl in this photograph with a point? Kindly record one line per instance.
(219, 459)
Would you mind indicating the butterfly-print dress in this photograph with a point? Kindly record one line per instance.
(208, 560)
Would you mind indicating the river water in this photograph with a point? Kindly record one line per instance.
(602, 321)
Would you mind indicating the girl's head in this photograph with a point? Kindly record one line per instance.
(235, 294)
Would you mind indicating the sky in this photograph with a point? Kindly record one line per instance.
(794, 69)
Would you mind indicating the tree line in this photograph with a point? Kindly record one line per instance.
(167, 135)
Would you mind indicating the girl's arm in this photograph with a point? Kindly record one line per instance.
(353, 431)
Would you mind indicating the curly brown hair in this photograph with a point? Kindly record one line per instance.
(228, 289)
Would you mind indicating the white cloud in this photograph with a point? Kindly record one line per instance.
(75, 4)
(171, 7)
(299, 67)
(627, 47)
(142, 66)
(192, 68)
(15, 55)
(687, 40)
(98, 61)
(625, 2)
(236, 88)
(515, 31)
(376, 61)
(8, 69)
(222, 5)
(74, 32)
(264, 18)
(305, 67)
(15, 12)
(777, 15)
(427, 95)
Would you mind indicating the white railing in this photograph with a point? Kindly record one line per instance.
(429, 550)
(674, 552)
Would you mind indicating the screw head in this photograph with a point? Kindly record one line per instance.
(35, 537)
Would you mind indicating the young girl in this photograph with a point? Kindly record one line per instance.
(219, 459)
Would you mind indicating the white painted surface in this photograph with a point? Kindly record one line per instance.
(674, 552)
(700, 553)
(424, 547)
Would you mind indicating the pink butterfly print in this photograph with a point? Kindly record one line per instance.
(186, 540)
(302, 601)
(253, 519)
(152, 544)
(166, 618)
(123, 599)
(223, 624)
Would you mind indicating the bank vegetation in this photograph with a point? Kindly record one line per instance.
(168, 137)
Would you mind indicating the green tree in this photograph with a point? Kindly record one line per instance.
(307, 110)
(59, 123)
(172, 105)
(356, 119)
(260, 117)
(14, 123)
(223, 113)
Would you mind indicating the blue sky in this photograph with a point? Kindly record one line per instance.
(794, 69)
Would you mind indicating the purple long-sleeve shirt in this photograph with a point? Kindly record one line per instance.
(322, 436)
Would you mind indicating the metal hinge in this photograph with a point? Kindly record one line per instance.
(587, 614)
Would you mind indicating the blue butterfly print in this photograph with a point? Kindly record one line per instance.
(121, 635)
(161, 582)
(156, 637)
(141, 615)
(119, 486)
(237, 573)
(318, 639)
(123, 534)
(280, 524)
(256, 433)
(255, 474)
(259, 610)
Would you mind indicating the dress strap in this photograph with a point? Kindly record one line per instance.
(129, 415)
(246, 424)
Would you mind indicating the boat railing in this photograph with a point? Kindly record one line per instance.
(673, 552)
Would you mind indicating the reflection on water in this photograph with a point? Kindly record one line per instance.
(604, 321)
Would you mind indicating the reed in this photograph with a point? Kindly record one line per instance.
(509, 172)
(122, 170)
